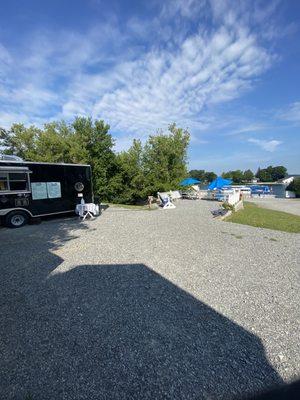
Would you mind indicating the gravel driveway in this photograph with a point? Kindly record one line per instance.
(147, 305)
(291, 206)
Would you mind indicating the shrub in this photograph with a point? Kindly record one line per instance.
(295, 186)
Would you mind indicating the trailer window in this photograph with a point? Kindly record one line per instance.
(13, 181)
(18, 181)
(3, 181)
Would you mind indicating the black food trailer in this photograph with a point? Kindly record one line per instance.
(37, 189)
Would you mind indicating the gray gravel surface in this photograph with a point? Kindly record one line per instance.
(291, 206)
(147, 305)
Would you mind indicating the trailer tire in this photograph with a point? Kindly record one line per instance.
(16, 219)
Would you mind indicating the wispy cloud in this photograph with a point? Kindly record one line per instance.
(268, 145)
(164, 86)
(291, 113)
(187, 9)
(174, 84)
(248, 128)
(141, 76)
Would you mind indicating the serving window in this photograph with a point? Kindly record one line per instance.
(14, 181)
(3, 181)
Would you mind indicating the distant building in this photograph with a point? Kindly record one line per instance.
(289, 179)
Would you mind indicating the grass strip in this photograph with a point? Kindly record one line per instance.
(265, 218)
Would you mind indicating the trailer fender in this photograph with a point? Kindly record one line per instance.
(8, 210)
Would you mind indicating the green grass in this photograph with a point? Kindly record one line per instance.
(265, 218)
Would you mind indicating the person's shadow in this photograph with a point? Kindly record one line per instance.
(122, 332)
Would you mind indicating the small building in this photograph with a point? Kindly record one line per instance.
(289, 179)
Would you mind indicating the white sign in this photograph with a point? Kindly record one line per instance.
(54, 190)
(39, 190)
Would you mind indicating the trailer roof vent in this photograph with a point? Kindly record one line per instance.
(7, 157)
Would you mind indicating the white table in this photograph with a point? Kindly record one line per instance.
(87, 209)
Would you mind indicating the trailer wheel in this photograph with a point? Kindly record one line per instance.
(16, 219)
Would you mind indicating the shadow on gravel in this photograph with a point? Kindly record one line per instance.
(114, 332)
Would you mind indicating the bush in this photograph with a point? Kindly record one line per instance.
(295, 186)
(228, 206)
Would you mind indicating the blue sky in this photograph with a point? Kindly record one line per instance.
(227, 70)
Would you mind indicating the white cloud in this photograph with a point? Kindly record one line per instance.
(9, 118)
(291, 113)
(246, 127)
(180, 75)
(268, 145)
(163, 86)
(186, 8)
(123, 143)
(5, 59)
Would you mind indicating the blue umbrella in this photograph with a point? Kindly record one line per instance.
(219, 183)
(189, 182)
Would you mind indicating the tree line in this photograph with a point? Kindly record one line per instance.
(126, 177)
(130, 176)
(269, 174)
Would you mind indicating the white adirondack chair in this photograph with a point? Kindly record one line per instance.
(165, 201)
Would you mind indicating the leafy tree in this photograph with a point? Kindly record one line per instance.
(197, 174)
(295, 186)
(237, 176)
(202, 175)
(125, 177)
(20, 141)
(164, 160)
(209, 176)
(129, 183)
(248, 175)
(95, 147)
(271, 174)
(83, 141)
(279, 172)
(54, 144)
(264, 176)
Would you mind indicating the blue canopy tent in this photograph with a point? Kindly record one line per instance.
(189, 182)
(219, 183)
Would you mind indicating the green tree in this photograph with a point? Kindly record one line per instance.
(197, 174)
(236, 176)
(125, 177)
(279, 172)
(95, 147)
(271, 174)
(209, 176)
(248, 175)
(54, 144)
(20, 141)
(165, 158)
(51, 144)
(295, 186)
(83, 141)
(129, 183)
(202, 175)
(264, 174)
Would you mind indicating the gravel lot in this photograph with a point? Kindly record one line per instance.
(291, 206)
(147, 305)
